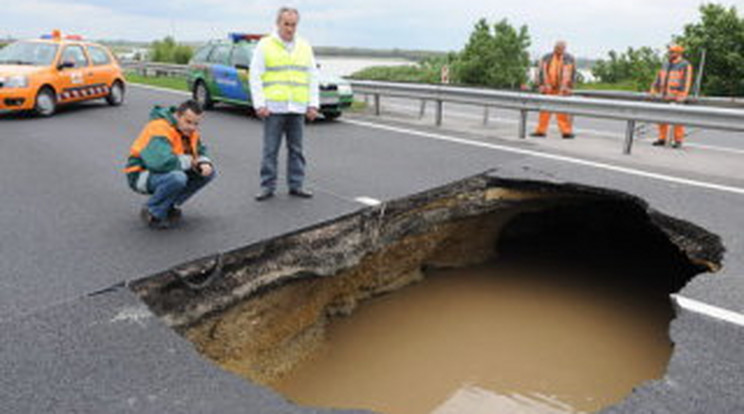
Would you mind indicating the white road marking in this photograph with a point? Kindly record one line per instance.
(369, 201)
(571, 160)
(709, 310)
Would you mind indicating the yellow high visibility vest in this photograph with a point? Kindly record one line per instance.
(287, 76)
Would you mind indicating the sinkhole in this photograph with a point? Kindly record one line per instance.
(484, 295)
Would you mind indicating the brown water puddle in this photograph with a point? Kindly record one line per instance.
(490, 339)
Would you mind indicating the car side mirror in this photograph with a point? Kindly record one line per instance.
(65, 65)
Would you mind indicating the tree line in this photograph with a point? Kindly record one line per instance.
(496, 56)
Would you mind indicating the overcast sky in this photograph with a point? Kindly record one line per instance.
(591, 27)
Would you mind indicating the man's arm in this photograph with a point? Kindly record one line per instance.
(258, 67)
(314, 104)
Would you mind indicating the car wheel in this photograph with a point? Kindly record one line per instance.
(331, 115)
(201, 95)
(116, 94)
(46, 102)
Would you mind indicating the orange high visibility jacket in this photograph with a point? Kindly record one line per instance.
(160, 148)
(674, 79)
(557, 72)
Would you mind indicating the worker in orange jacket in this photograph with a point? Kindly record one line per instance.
(673, 83)
(556, 76)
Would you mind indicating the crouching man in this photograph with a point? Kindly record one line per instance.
(169, 162)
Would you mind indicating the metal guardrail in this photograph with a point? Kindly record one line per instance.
(156, 68)
(722, 102)
(630, 111)
(632, 107)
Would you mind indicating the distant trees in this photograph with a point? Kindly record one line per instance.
(426, 71)
(494, 56)
(720, 32)
(168, 51)
(637, 67)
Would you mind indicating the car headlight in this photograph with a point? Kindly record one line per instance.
(344, 89)
(17, 81)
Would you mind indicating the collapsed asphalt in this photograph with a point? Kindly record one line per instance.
(75, 342)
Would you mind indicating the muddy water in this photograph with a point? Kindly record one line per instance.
(490, 339)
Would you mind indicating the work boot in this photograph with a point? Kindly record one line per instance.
(659, 143)
(538, 134)
(152, 221)
(676, 144)
(174, 214)
(569, 136)
(264, 195)
(299, 192)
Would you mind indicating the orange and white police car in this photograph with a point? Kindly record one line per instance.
(40, 74)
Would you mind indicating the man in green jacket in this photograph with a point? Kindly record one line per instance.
(169, 161)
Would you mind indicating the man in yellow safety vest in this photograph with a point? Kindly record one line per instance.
(284, 91)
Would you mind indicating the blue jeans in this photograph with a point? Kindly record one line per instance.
(275, 126)
(173, 189)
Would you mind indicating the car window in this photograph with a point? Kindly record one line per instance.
(241, 55)
(98, 55)
(220, 54)
(202, 54)
(75, 55)
(28, 53)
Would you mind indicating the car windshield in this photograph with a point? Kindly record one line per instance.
(28, 53)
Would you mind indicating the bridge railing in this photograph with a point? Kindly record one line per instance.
(630, 111)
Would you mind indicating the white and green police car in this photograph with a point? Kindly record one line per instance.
(218, 72)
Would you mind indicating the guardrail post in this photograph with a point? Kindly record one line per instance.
(422, 109)
(629, 132)
(377, 104)
(485, 115)
(439, 112)
(523, 123)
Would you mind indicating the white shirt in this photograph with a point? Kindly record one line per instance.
(258, 68)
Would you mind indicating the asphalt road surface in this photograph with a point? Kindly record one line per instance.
(72, 341)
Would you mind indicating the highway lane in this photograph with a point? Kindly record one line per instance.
(70, 226)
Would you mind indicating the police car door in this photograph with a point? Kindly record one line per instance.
(72, 83)
(225, 74)
(241, 61)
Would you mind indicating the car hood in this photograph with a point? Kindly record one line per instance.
(328, 79)
(12, 70)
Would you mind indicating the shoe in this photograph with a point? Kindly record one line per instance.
(537, 135)
(569, 136)
(299, 192)
(152, 221)
(659, 143)
(174, 213)
(676, 144)
(264, 195)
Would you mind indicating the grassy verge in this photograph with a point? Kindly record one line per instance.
(160, 81)
(620, 86)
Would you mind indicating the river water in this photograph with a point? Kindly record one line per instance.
(345, 66)
(490, 339)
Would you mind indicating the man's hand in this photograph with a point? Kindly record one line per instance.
(263, 112)
(205, 169)
(312, 113)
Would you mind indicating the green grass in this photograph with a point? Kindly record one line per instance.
(620, 86)
(160, 81)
